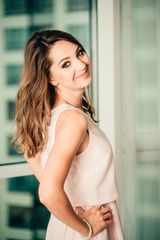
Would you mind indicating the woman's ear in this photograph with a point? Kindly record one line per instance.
(52, 81)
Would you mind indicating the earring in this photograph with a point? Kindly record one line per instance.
(55, 84)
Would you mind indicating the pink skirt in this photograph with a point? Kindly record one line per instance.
(57, 230)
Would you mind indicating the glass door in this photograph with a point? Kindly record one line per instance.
(140, 44)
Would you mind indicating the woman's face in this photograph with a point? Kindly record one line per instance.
(71, 68)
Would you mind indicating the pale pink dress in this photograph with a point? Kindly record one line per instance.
(91, 180)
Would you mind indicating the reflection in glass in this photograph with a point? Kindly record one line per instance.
(26, 217)
(10, 110)
(81, 33)
(37, 28)
(145, 34)
(146, 74)
(13, 7)
(11, 152)
(15, 39)
(13, 73)
(146, 115)
(78, 5)
(40, 6)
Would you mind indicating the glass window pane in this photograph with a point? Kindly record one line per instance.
(144, 3)
(145, 34)
(39, 28)
(13, 74)
(11, 152)
(10, 110)
(147, 196)
(41, 6)
(14, 7)
(146, 115)
(141, 117)
(24, 217)
(81, 33)
(15, 39)
(78, 5)
(146, 74)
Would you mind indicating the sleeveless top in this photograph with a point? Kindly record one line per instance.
(91, 179)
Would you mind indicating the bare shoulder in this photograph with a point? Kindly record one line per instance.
(72, 118)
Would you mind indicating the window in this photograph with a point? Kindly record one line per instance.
(13, 73)
(26, 7)
(15, 39)
(24, 217)
(36, 28)
(141, 117)
(40, 6)
(14, 7)
(10, 110)
(81, 33)
(79, 5)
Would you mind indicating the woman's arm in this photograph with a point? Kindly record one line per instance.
(71, 129)
(35, 165)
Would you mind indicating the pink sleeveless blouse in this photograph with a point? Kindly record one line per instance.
(91, 179)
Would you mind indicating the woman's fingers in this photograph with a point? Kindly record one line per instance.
(80, 211)
(106, 216)
(104, 210)
(108, 222)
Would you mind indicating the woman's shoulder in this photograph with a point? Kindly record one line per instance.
(72, 117)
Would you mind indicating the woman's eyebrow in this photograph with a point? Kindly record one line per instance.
(69, 57)
(63, 60)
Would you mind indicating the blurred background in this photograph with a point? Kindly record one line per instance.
(122, 38)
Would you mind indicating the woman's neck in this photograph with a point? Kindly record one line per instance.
(74, 100)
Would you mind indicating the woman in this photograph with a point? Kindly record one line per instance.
(70, 156)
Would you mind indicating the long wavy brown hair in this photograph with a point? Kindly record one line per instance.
(36, 96)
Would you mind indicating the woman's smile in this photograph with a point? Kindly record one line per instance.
(83, 75)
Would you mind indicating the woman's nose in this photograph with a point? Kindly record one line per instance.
(79, 64)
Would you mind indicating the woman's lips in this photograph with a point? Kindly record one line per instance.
(85, 74)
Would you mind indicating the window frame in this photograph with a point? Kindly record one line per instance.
(14, 170)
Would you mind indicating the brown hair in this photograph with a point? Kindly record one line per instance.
(36, 96)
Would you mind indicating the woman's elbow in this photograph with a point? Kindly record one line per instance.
(48, 195)
(44, 195)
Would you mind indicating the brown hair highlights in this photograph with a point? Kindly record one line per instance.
(36, 96)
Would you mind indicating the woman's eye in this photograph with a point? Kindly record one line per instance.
(65, 65)
(80, 52)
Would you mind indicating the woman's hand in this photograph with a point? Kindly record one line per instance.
(99, 217)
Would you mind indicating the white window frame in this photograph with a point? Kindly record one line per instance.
(14, 170)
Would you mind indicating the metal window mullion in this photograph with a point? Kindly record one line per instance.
(15, 170)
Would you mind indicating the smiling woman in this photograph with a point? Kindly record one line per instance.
(62, 142)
